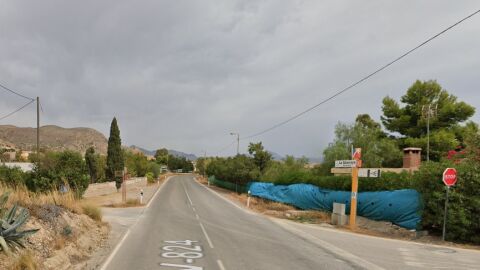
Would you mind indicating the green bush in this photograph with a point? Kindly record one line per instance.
(239, 169)
(150, 178)
(12, 176)
(463, 222)
(59, 168)
(154, 169)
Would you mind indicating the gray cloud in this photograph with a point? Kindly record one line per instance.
(183, 74)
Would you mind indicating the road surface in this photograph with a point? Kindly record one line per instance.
(188, 226)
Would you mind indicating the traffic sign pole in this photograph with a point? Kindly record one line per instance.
(445, 214)
(449, 179)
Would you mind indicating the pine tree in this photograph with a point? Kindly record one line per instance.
(115, 161)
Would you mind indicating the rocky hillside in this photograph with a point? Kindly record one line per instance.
(54, 138)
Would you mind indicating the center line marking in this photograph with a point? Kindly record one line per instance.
(206, 235)
(188, 196)
(220, 265)
(196, 215)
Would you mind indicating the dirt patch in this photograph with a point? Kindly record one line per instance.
(114, 198)
(64, 240)
(364, 226)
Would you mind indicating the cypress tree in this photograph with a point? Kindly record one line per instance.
(91, 160)
(115, 160)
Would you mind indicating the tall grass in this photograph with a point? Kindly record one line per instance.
(22, 196)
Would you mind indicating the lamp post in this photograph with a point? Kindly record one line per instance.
(429, 111)
(238, 141)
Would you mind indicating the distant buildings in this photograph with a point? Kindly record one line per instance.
(24, 166)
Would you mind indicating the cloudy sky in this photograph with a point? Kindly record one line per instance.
(184, 74)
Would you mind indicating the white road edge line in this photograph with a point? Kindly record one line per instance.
(227, 200)
(220, 265)
(114, 252)
(330, 247)
(158, 191)
(110, 258)
(206, 235)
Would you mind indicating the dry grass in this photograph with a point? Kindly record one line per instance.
(92, 211)
(22, 196)
(128, 203)
(59, 242)
(25, 261)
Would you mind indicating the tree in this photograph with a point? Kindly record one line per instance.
(261, 157)
(377, 149)
(409, 120)
(136, 163)
(161, 156)
(91, 160)
(115, 161)
(57, 169)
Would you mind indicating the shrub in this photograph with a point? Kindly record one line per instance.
(92, 211)
(463, 222)
(26, 261)
(57, 169)
(239, 169)
(150, 178)
(12, 176)
(154, 168)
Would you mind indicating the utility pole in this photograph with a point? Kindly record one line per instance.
(204, 163)
(38, 129)
(428, 112)
(238, 141)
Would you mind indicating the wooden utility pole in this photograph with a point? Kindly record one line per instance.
(38, 134)
(124, 185)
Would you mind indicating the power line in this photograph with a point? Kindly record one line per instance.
(361, 80)
(224, 148)
(17, 110)
(14, 92)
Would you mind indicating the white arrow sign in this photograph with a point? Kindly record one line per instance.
(345, 163)
(369, 173)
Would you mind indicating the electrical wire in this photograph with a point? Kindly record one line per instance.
(17, 110)
(15, 93)
(224, 148)
(361, 80)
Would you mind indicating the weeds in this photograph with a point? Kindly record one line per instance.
(26, 261)
(92, 211)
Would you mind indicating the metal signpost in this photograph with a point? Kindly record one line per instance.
(449, 179)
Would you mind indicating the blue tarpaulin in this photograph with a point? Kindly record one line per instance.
(401, 207)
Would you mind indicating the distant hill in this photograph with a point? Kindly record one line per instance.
(171, 152)
(276, 156)
(53, 138)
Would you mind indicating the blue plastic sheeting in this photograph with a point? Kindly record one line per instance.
(401, 207)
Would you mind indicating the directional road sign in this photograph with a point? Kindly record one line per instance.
(345, 163)
(369, 172)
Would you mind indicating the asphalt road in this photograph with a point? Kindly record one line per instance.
(188, 226)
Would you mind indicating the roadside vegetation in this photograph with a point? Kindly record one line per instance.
(454, 142)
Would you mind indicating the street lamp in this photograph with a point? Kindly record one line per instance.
(238, 141)
(429, 111)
